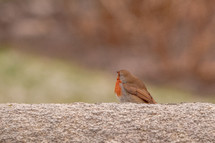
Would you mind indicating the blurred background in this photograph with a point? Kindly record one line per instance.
(69, 51)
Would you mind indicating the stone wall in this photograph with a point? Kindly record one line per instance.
(107, 122)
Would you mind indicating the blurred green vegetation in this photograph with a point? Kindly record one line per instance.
(32, 79)
(29, 78)
(168, 94)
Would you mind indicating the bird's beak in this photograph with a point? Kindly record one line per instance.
(118, 73)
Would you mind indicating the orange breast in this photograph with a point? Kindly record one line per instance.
(117, 87)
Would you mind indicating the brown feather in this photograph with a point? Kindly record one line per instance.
(141, 93)
(135, 87)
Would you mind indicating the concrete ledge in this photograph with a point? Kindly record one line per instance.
(107, 122)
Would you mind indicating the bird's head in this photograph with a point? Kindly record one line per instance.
(125, 76)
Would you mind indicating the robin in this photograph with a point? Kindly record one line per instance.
(130, 89)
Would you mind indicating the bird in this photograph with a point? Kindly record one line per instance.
(129, 88)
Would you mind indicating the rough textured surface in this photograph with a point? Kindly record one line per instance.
(107, 122)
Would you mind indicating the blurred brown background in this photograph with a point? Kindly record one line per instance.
(162, 41)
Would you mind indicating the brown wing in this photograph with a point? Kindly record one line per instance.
(141, 93)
